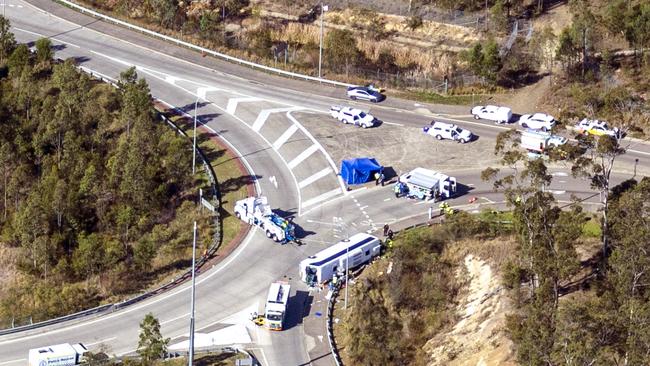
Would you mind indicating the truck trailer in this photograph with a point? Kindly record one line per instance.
(65, 354)
(256, 211)
(540, 142)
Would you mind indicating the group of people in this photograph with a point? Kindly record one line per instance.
(380, 178)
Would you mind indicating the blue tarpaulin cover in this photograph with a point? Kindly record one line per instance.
(359, 171)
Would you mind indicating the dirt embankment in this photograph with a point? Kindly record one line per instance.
(478, 338)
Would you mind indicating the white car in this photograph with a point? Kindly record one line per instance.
(365, 93)
(492, 113)
(537, 121)
(349, 115)
(597, 128)
(441, 130)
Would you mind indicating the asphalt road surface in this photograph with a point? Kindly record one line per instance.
(292, 147)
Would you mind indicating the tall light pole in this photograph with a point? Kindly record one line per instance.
(191, 356)
(323, 9)
(194, 145)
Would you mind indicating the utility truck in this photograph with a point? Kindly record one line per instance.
(424, 183)
(275, 311)
(256, 211)
(65, 354)
(540, 142)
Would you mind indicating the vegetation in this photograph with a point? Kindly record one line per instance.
(152, 345)
(391, 317)
(93, 191)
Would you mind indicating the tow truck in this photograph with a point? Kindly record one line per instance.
(257, 211)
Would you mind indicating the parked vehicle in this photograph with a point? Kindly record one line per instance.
(354, 116)
(441, 130)
(65, 354)
(597, 128)
(365, 93)
(424, 183)
(357, 250)
(492, 113)
(540, 142)
(537, 121)
(275, 311)
(256, 211)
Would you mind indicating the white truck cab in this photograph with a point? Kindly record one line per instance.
(65, 354)
(354, 116)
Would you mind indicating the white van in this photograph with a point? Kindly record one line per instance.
(441, 130)
(492, 113)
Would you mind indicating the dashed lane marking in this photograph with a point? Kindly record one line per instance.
(314, 177)
(302, 156)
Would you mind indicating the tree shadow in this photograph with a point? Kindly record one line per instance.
(80, 59)
(233, 184)
(190, 107)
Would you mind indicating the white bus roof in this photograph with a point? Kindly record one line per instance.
(328, 254)
(278, 293)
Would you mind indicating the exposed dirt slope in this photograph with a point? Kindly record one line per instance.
(478, 337)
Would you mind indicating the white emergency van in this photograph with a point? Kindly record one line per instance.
(322, 266)
(65, 354)
(425, 184)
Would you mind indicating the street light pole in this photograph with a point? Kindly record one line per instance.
(196, 103)
(191, 355)
(347, 261)
(320, 49)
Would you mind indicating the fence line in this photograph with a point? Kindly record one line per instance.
(330, 325)
(216, 241)
(198, 48)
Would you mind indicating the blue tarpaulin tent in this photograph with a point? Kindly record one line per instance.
(359, 171)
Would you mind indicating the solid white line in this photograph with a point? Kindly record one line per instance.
(364, 207)
(393, 123)
(45, 36)
(387, 199)
(13, 361)
(322, 197)
(286, 135)
(233, 102)
(174, 319)
(303, 155)
(98, 342)
(264, 115)
(314, 177)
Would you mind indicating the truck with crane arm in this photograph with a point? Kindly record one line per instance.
(256, 211)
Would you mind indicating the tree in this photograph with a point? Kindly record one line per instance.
(484, 60)
(88, 259)
(546, 44)
(44, 53)
(152, 345)
(165, 11)
(341, 49)
(7, 40)
(18, 60)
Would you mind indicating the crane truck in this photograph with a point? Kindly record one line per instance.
(256, 211)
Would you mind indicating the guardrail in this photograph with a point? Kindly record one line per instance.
(198, 48)
(175, 282)
(330, 325)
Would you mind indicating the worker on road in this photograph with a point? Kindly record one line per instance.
(377, 176)
(443, 207)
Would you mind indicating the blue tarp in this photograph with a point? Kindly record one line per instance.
(359, 171)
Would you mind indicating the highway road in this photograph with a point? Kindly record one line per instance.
(264, 118)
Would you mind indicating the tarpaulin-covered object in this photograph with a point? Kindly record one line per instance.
(360, 170)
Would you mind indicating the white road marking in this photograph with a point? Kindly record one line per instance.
(393, 123)
(44, 36)
(176, 318)
(387, 199)
(488, 200)
(233, 102)
(314, 177)
(560, 174)
(273, 180)
(202, 92)
(364, 207)
(303, 155)
(171, 79)
(286, 135)
(264, 115)
(102, 341)
(322, 197)
(557, 192)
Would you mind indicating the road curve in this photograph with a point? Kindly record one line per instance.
(254, 114)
